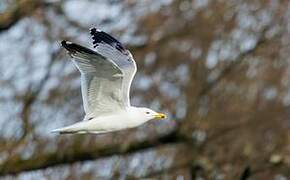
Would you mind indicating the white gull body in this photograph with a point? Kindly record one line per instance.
(117, 121)
(106, 77)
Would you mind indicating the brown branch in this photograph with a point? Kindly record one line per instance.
(184, 164)
(31, 96)
(262, 40)
(78, 152)
(15, 12)
(174, 151)
(230, 68)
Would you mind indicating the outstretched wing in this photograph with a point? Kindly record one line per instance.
(101, 81)
(112, 49)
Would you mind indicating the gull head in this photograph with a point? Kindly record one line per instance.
(148, 114)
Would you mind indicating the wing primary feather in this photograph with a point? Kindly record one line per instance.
(101, 80)
(73, 48)
(106, 73)
(100, 36)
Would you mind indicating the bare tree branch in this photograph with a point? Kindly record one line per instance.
(18, 10)
(67, 155)
(227, 70)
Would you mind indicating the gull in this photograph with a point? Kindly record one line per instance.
(106, 76)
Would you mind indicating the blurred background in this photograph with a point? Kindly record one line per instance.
(220, 69)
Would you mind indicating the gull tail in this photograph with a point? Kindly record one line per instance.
(65, 130)
(59, 130)
(77, 128)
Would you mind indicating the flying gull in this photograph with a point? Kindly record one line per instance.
(106, 76)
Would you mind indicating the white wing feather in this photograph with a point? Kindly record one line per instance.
(125, 62)
(106, 77)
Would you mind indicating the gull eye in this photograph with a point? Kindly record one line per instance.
(147, 112)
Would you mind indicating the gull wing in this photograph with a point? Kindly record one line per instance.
(112, 49)
(101, 81)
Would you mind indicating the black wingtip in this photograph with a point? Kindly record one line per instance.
(63, 43)
(73, 48)
(99, 36)
(93, 30)
(68, 46)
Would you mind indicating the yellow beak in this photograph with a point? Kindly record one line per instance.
(160, 116)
